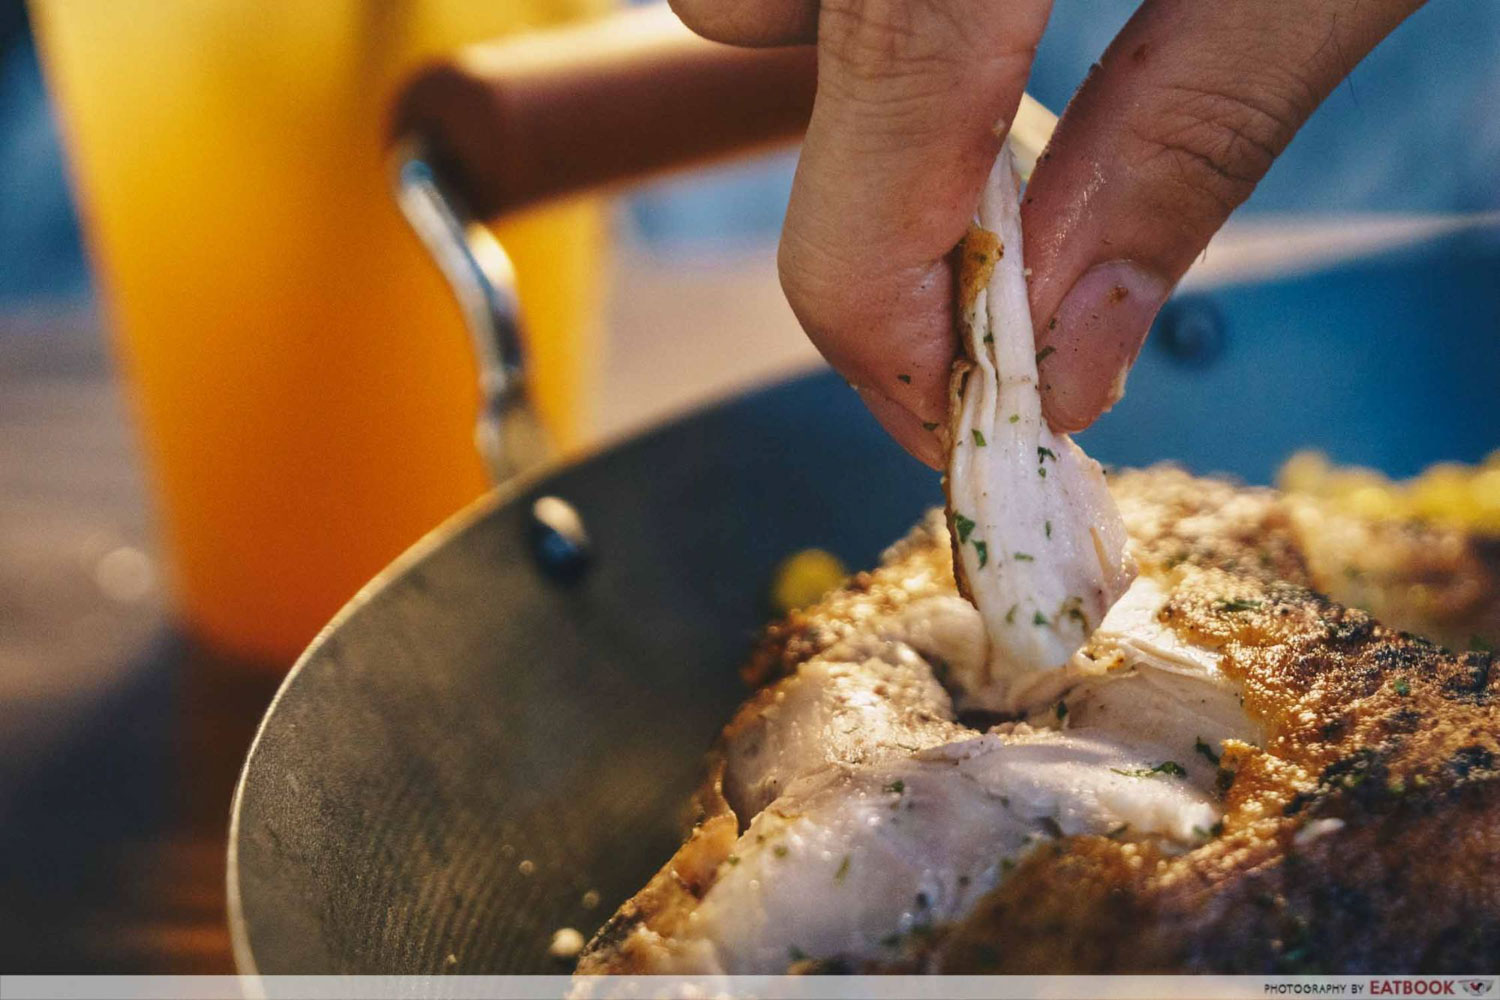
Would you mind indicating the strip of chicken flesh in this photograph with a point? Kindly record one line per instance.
(1039, 546)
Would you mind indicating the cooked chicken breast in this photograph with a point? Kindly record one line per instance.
(1038, 544)
(1233, 774)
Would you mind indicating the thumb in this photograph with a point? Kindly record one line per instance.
(1186, 112)
(902, 135)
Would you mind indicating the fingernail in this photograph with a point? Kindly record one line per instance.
(903, 425)
(1094, 338)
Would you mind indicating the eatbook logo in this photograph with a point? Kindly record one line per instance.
(1478, 987)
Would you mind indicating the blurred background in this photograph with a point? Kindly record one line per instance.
(232, 387)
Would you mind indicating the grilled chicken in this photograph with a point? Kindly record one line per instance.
(1234, 773)
(1039, 545)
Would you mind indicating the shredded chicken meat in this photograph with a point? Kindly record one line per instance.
(1039, 546)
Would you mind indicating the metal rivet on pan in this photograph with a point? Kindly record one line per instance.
(1191, 331)
(558, 539)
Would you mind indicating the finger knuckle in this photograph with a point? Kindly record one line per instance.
(716, 20)
(878, 40)
(1210, 145)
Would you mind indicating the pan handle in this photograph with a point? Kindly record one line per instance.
(547, 114)
(500, 127)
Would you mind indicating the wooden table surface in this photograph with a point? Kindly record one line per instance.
(119, 741)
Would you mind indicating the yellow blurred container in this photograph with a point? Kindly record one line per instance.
(300, 372)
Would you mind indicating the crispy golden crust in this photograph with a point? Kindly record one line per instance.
(919, 566)
(1363, 837)
(1437, 581)
(625, 944)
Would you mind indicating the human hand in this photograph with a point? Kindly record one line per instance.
(1185, 112)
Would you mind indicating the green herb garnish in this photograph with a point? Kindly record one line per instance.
(1038, 619)
(1207, 752)
(964, 526)
(1015, 417)
(928, 425)
(1049, 529)
(904, 378)
(1042, 453)
(1044, 354)
(896, 787)
(1010, 616)
(979, 437)
(779, 850)
(1238, 605)
(1023, 556)
(1062, 710)
(984, 552)
(1401, 686)
(1171, 767)
(1042, 472)
(838, 876)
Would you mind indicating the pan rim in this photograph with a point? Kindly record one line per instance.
(429, 542)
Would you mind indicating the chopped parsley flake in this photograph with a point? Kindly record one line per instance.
(979, 437)
(1049, 529)
(1238, 605)
(1038, 619)
(928, 425)
(984, 552)
(1010, 616)
(904, 378)
(1015, 417)
(989, 338)
(779, 850)
(964, 526)
(1023, 556)
(1042, 472)
(1042, 453)
(838, 876)
(1045, 353)
(1171, 767)
(1062, 710)
(1401, 686)
(733, 859)
(896, 787)
(1206, 751)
